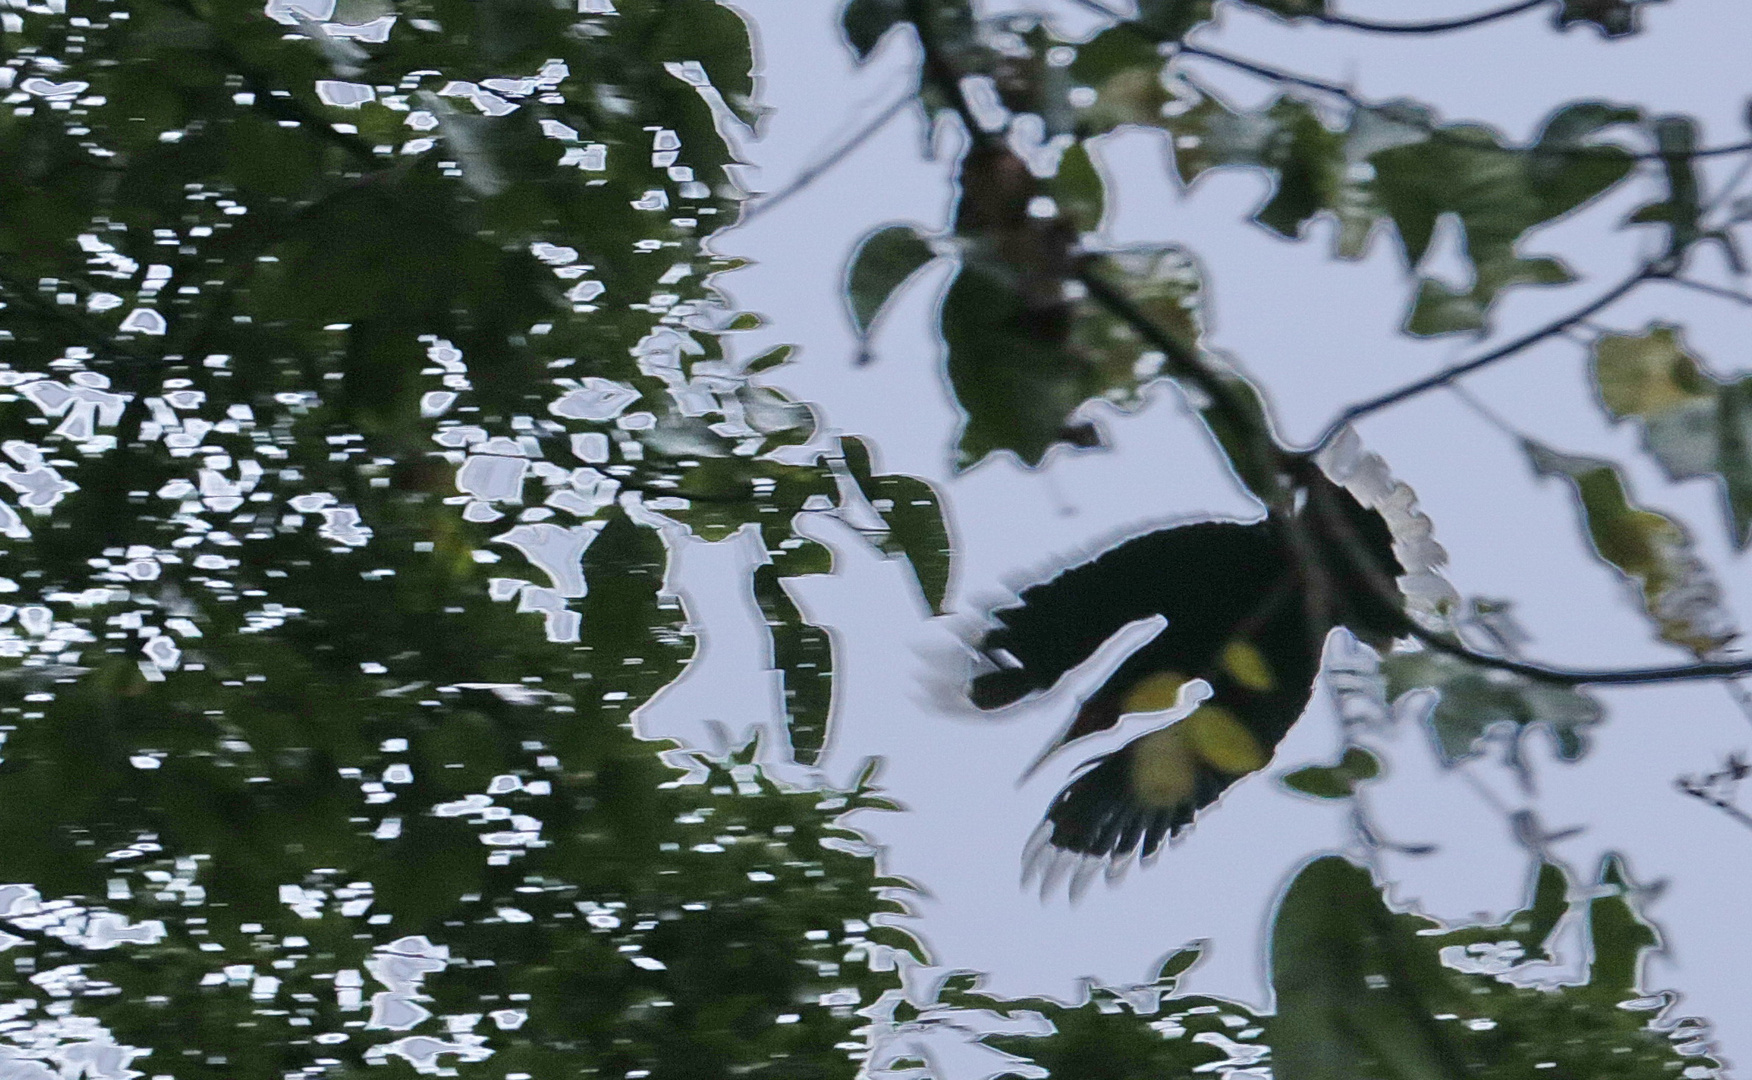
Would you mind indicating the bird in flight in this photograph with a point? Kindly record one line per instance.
(1248, 608)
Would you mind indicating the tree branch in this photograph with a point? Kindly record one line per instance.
(808, 176)
(1437, 27)
(86, 331)
(1705, 287)
(1650, 271)
(938, 71)
(1182, 359)
(1350, 547)
(1697, 791)
(1356, 101)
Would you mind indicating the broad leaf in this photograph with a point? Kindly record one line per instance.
(910, 508)
(1613, 18)
(1397, 164)
(882, 263)
(1026, 356)
(1693, 423)
(1335, 781)
(803, 655)
(1678, 593)
(865, 21)
(1471, 700)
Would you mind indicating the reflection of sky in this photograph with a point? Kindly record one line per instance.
(1319, 335)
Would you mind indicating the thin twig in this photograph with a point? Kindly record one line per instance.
(1735, 295)
(1098, 8)
(1448, 374)
(1356, 101)
(808, 176)
(1437, 27)
(1723, 805)
(1351, 548)
(1189, 364)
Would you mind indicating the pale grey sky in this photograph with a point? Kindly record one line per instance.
(1317, 334)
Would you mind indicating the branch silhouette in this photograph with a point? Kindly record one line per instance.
(1648, 272)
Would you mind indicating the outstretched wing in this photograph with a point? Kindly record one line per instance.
(1237, 618)
(1199, 576)
(1261, 674)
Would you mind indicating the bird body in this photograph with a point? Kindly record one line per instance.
(1235, 599)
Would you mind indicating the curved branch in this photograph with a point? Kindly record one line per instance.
(1698, 792)
(1437, 27)
(1447, 375)
(1356, 101)
(1190, 365)
(1370, 26)
(1350, 547)
(760, 205)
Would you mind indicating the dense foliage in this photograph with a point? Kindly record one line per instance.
(356, 361)
(347, 364)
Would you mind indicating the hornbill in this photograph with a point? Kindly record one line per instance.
(1248, 608)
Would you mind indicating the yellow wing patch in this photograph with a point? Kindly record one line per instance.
(1223, 741)
(1154, 693)
(1165, 763)
(1247, 666)
(1163, 769)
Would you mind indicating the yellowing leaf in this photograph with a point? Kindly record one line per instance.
(1655, 552)
(1694, 425)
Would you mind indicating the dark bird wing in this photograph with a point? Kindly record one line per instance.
(1193, 574)
(1130, 800)
(1236, 618)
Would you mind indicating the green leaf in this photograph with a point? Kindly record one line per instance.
(714, 36)
(1335, 781)
(1172, 19)
(1352, 982)
(803, 655)
(1078, 189)
(1023, 364)
(1680, 211)
(1123, 65)
(1678, 592)
(1471, 700)
(1613, 18)
(746, 320)
(882, 263)
(1397, 164)
(866, 21)
(1693, 423)
(1291, 9)
(1364, 991)
(917, 531)
(770, 359)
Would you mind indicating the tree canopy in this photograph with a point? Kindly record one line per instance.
(360, 363)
